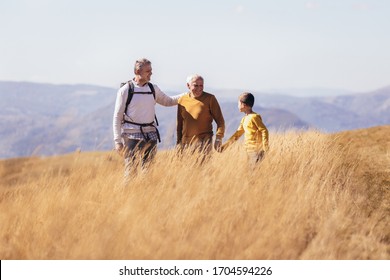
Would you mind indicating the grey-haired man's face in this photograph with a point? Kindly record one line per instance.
(196, 87)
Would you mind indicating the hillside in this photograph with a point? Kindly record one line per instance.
(314, 196)
(46, 119)
(39, 118)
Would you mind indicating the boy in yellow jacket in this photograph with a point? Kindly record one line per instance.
(256, 133)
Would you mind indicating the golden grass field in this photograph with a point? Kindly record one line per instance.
(314, 196)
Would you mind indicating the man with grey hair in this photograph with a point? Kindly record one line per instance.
(196, 111)
(135, 132)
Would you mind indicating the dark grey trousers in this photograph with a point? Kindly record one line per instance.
(138, 153)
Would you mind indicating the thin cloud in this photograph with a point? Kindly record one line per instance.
(312, 5)
(239, 9)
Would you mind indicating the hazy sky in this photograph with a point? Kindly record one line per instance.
(250, 45)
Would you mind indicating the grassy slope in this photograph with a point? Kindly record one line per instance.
(315, 196)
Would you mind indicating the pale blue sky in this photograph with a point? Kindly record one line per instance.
(240, 44)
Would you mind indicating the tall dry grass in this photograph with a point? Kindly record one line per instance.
(314, 196)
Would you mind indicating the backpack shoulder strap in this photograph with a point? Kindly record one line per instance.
(152, 89)
(154, 95)
(130, 94)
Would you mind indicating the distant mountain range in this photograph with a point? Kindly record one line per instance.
(46, 119)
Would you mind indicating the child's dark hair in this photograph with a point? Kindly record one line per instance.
(247, 98)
